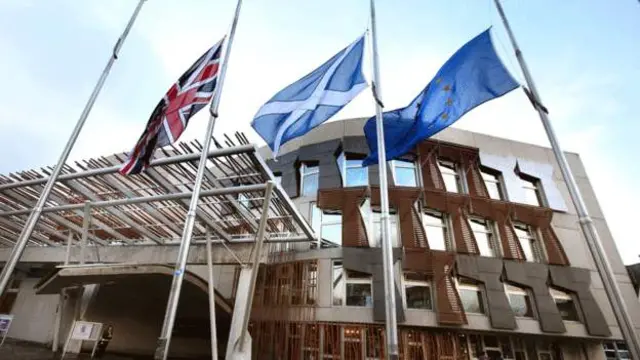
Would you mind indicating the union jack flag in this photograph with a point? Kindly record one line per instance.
(187, 96)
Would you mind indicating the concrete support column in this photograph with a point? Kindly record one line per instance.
(242, 296)
(594, 350)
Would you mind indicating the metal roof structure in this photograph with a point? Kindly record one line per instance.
(151, 207)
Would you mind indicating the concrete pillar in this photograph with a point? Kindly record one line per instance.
(88, 294)
(242, 296)
(594, 350)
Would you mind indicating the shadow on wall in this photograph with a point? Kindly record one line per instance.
(135, 307)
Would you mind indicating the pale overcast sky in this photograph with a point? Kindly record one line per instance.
(584, 55)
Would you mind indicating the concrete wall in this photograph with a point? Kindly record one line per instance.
(34, 315)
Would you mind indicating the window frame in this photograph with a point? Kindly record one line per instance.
(321, 224)
(533, 240)
(616, 350)
(496, 179)
(307, 170)
(447, 233)
(277, 178)
(528, 182)
(454, 169)
(346, 281)
(475, 343)
(517, 290)
(562, 295)
(489, 231)
(343, 165)
(421, 283)
(464, 284)
(371, 219)
(405, 164)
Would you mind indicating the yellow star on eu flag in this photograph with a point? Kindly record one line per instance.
(445, 116)
(449, 102)
(447, 87)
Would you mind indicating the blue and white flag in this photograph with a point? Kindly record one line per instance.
(312, 100)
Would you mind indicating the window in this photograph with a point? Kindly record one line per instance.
(548, 351)
(435, 225)
(614, 350)
(405, 173)
(352, 171)
(492, 182)
(503, 347)
(471, 297)
(327, 225)
(311, 346)
(528, 242)
(353, 342)
(309, 175)
(565, 305)
(450, 176)
(520, 301)
(351, 288)
(483, 232)
(373, 223)
(375, 343)
(278, 178)
(417, 291)
(532, 190)
(244, 200)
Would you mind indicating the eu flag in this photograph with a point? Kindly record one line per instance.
(472, 76)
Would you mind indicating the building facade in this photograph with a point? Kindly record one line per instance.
(489, 258)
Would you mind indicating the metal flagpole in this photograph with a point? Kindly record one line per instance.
(586, 223)
(29, 226)
(162, 349)
(387, 249)
(212, 299)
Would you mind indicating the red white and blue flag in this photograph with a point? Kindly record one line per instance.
(187, 96)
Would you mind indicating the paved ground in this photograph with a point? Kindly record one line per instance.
(12, 350)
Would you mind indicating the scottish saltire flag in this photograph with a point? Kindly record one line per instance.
(312, 100)
(187, 96)
(471, 77)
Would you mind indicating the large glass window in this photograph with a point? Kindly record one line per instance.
(352, 171)
(519, 300)
(435, 225)
(528, 242)
(548, 351)
(372, 220)
(496, 347)
(405, 173)
(565, 305)
(351, 288)
(327, 225)
(309, 176)
(450, 176)
(471, 296)
(417, 290)
(532, 190)
(492, 182)
(483, 232)
(615, 350)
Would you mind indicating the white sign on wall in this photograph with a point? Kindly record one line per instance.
(82, 330)
(5, 324)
